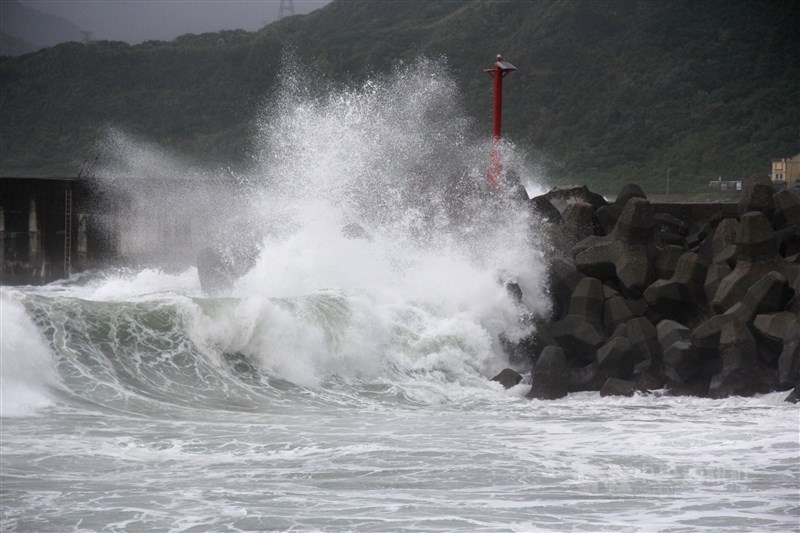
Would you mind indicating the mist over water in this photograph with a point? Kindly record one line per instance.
(341, 382)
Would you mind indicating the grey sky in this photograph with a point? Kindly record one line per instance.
(135, 21)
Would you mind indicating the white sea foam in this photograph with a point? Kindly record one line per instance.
(26, 366)
(131, 284)
(419, 289)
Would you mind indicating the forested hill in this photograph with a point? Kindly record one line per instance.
(606, 91)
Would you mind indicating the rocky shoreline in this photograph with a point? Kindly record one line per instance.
(705, 303)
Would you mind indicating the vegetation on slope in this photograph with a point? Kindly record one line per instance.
(607, 92)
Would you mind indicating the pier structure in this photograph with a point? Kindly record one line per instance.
(53, 227)
(49, 227)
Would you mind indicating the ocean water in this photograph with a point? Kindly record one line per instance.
(124, 415)
(342, 384)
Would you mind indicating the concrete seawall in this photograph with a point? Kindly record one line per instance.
(50, 228)
(53, 227)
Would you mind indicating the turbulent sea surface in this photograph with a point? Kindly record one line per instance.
(342, 382)
(118, 416)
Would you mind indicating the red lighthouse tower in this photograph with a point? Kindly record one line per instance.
(498, 72)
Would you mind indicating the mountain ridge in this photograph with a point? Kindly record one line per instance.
(607, 92)
(35, 28)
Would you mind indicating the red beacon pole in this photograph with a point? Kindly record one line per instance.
(498, 72)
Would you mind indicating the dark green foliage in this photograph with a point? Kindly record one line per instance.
(607, 92)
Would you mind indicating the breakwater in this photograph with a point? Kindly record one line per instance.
(698, 299)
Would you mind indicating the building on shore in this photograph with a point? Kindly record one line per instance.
(785, 174)
(720, 185)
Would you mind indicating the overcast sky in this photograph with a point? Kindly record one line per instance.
(135, 21)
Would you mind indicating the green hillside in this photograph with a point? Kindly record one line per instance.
(606, 92)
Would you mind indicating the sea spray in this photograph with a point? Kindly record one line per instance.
(394, 158)
(26, 366)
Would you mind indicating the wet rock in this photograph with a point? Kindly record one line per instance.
(644, 338)
(671, 224)
(628, 191)
(649, 372)
(667, 260)
(635, 225)
(737, 383)
(525, 352)
(706, 335)
(514, 291)
(638, 306)
(669, 332)
(789, 362)
(741, 375)
(550, 376)
(714, 275)
(737, 347)
(516, 191)
(788, 241)
(563, 278)
(626, 253)
(787, 210)
(768, 295)
(580, 332)
(609, 292)
(542, 207)
(716, 264)
(619, 387)
(682, 296)
(755, 238)
(794, 396)
(578, 221)
(681, 362)
(666, 238)
(587, 301)
(614, 359)
(616, 311)
(698, 234)
(606, 217)
(776, 328)
(696, 386)
(552, 238)
(561, 197)
(756, 256)
(508, 378)
(723, 244)
(758, 197)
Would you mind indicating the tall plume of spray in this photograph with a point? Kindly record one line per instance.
(378, 188)
(396, 156)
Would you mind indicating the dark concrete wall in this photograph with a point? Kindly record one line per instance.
(695, 212)
(33, 257)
